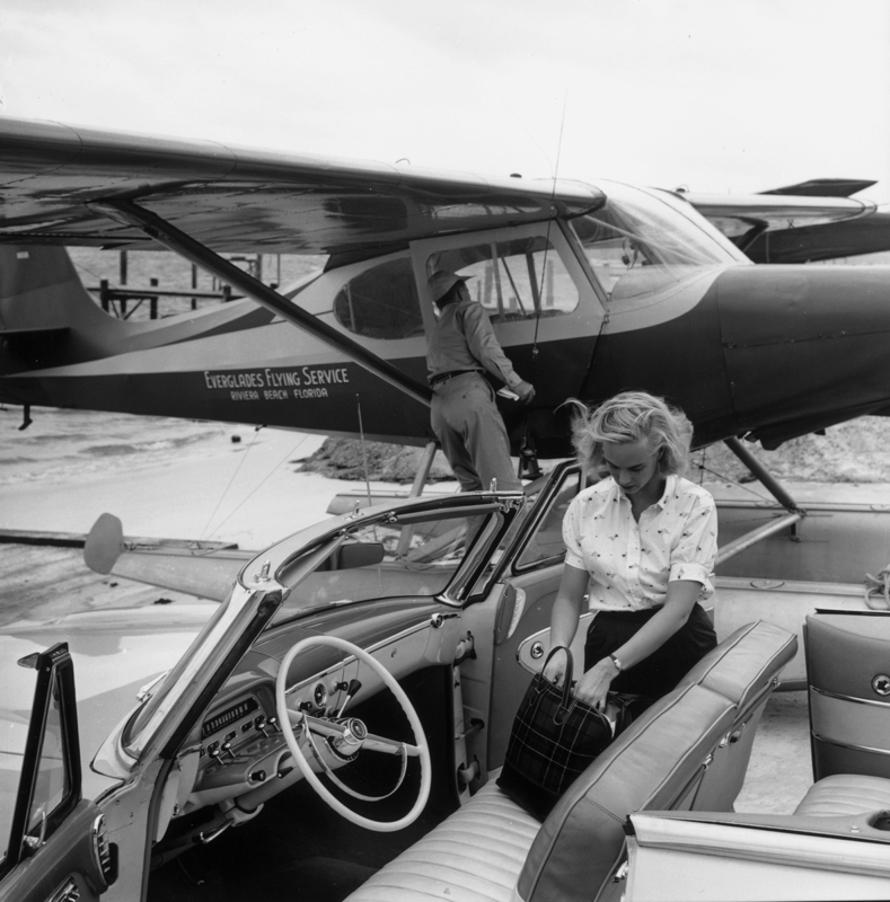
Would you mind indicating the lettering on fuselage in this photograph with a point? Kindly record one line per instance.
(304, 383)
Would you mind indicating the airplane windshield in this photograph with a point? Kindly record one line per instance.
(643, 241)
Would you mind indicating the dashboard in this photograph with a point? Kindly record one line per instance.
(241, 749)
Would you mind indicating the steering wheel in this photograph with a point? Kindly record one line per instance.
(352, 735)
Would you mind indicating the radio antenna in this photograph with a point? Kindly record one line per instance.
(542, 274)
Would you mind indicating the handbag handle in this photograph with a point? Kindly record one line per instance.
(567, 679)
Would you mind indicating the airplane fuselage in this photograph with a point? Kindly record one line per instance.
(584, 308)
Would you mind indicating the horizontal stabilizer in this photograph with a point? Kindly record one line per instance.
(191, 567)
(824, 187)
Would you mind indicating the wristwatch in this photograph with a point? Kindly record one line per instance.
(616, 662)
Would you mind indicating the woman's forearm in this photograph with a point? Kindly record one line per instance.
(563, 622)
(567, 606)
(682, 596)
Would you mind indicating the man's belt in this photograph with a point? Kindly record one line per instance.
(439, 378)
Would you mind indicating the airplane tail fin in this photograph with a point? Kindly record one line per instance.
(824, 188)
(47, 317)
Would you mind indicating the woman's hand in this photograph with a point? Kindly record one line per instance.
(593, 687)
(555, 669)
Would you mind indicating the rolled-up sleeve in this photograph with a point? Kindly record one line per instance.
(695, 554)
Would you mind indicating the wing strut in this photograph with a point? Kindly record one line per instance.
(795, 512)
(186, 246)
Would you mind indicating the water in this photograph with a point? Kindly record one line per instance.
(64, 445)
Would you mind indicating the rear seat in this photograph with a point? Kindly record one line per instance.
(845, 794)
(848, 731)
(476, 854)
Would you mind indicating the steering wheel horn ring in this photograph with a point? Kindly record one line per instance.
(346, 737)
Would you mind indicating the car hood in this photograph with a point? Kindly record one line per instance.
(115, 653)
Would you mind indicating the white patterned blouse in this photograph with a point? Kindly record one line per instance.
(631, 563)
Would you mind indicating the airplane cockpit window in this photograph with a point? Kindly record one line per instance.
(518, 279)
(381, 302)
(640, 242)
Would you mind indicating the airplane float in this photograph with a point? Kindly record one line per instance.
(592, 288)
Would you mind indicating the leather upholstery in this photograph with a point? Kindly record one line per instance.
(472, 856)
(656, 763)
(476, 854)
(842, 794)
(758, 652)
(747, 677)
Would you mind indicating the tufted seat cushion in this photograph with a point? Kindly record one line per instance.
(473, 856)
(842, 794)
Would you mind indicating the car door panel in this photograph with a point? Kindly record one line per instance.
(535, 592)
(849, 705)
(66, 867)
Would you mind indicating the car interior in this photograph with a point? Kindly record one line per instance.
(687, 751)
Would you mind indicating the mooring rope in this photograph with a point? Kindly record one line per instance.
(254, 490)
(878, 586)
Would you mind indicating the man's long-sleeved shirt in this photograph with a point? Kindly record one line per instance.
(463, 339)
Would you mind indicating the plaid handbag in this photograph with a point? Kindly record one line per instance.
(554, 738)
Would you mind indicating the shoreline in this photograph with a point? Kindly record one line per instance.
(250, 493)
(199, 481)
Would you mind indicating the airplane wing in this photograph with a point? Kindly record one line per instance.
(62, 185)
(72, 186)
(814, 220)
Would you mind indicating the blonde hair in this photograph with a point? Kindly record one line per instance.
(630, 417)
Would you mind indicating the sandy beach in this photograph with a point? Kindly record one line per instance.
(163, 478)
(182, 479)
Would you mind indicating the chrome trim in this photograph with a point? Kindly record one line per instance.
(854, 699)
(100, 848)
(67, 892)
(818, 737)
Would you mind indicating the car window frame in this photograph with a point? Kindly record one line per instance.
(55, 682)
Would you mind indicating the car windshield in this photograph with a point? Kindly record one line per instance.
(415, 555)
(643, 241)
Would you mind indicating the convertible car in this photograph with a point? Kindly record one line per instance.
(333, 727)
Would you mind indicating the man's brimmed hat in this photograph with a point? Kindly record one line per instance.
(442, 282)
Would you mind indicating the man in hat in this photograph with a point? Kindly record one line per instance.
(464, 416)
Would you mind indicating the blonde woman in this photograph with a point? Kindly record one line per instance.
(640, 550)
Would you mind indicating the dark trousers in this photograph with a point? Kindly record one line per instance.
(665, 667)
(469, 427)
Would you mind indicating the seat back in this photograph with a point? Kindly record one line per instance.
(744, 668)
(660, 762)
(657, 762)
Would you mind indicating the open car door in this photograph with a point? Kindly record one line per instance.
(56, 847)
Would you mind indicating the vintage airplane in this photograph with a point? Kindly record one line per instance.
(206, 725)
(809, 221)
(592, 288)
